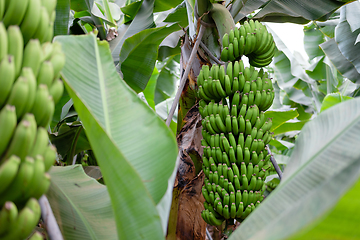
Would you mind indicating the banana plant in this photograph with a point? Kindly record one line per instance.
(163, 199)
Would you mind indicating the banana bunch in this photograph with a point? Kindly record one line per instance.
(18, 223)
(235, 134)
(34, 17)
(30, 86)
(253, 87)
(26, 157)
(252, 40)
(29, 75)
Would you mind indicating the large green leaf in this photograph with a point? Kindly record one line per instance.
(339, 223)
(289, 126)
(333, 99)
(144, 19)
(80, 204)
(139, 53)
(297, 11)
(166, 81)
(343, 65)
(280, 116)
(135, 150)
(313, 37)
(164, 5)
(324, 164)
(346, 39)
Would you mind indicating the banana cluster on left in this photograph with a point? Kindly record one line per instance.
(30, 86)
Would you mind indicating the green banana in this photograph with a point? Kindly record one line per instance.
(46, 74)
(8, 121)
(36, 236)
(15, 12)
(42, 28)
(8, 216)
(15, 191)
(15, 46)
(8, 171)
(39, 170)
(3, 39)
(27, 73)
(31, 20)
(49, 5)
(43, 187)
(33, 55)
(42, 96)
(222, 18)
(2, 8)
(22, 141)
(49, 157)
(25, 223)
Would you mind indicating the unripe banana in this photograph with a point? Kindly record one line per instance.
(36, 180)
(8, 216)
(42, 28)
(33, 55)
(15, 191)
(15, 45)
(15, 12)
(49, 5)
(8, 171)
(31, 20)
(3, 39)
(36, 236)
(46, 74)
(44, 186)
(49, 157)
(8, 121)
(22, 140)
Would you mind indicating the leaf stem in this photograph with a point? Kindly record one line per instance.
(276, 166)
(184, 77)
(47, 215)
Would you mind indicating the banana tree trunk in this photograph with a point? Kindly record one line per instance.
(185, 221)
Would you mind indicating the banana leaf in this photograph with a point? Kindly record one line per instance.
(135, 150)
(324, 165)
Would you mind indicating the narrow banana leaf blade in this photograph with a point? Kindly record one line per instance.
(340, 223)
(332, 99)
(346, 40)
(139, 53)
(324, 164)
(133, 146)
(81, 205)
(343, 65)
(280, 116)
(297, 11)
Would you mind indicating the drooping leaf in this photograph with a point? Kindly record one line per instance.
(340, 222)
(144, 19)
(345, 67)
(289, 126)
(166, 81)
(281, 144)
(178, 15)
(346, 39)
(149, 91)
(131, 10)
(332, 99)
(164, 5)
(125, 135)
(81, 205)
(324, 164)
(297, 11)
(313, 37)
(139, 53)
(280, 116)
